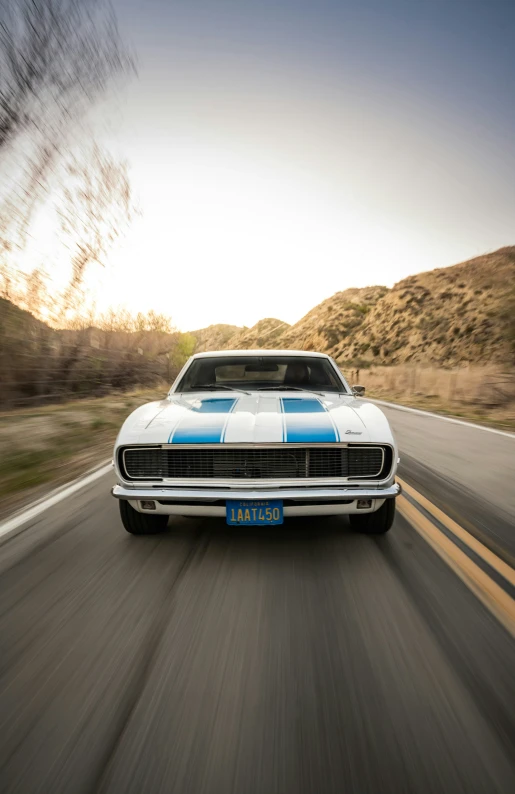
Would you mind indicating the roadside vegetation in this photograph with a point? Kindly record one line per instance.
(41, 365)
(46, 446)
(57, 59)
(483, 394)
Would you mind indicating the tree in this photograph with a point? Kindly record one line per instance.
(115, 320)
(56, 58)
(153, 321)
(159, 322)
(184, 348)
(36, 295)
(95, 207)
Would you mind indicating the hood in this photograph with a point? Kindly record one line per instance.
(290, 417)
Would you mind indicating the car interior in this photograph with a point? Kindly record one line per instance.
(258, 372)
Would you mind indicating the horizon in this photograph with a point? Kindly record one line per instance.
(191, 329)
(365, 286)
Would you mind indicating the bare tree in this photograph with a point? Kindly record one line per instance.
(95, 208)
(56, 58)
(115, 320)
(36, 295)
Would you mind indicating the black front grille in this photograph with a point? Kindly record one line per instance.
(266, 463)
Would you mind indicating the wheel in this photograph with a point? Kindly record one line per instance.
(141, 523)
(375, 523)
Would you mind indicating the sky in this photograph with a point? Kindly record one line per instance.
(283, 151)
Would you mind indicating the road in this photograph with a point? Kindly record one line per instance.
(305, 660)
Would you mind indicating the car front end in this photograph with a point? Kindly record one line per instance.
(309, 479)
(258, 451)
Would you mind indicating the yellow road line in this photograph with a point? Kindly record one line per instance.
(488, 592)
(473, 543)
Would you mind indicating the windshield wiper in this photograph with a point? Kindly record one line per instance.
(289, 388)
(216, 386)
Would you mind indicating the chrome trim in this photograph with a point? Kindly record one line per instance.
(257, 483)
(262, 445)
(212, 495)
(289, 511)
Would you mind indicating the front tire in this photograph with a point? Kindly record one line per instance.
(375, 523)
(141, 523)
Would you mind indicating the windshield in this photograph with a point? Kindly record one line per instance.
(306, 373)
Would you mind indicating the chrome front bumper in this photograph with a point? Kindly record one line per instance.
(202, 502)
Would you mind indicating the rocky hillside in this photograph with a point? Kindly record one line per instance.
(264, 334)
(215, 337)
(333, 320)
(459, 314)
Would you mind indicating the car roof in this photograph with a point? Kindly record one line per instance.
(212, 353)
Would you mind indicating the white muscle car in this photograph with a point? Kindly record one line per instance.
(255, 436)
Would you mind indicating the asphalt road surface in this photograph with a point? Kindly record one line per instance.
(300, 660)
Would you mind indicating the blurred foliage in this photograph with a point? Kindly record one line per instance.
(53, 443)
(93, 357)
(484, 393)
(184, 349)
(57, 58)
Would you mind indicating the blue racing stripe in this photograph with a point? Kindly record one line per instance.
(319, 428)
(198, 435)
(204, 423)
(306, 434)
(215, 405)
(297, 405)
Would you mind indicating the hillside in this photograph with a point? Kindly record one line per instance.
(453, 315)
(16, 323)
(265, 333)
(215, 337)
(333, 320)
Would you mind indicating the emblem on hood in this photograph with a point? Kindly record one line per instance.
(353, 433)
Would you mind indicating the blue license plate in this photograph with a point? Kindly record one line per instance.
(255, 512)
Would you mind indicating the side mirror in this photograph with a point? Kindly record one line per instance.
(359, 391)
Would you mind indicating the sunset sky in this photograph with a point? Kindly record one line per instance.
(285, 150)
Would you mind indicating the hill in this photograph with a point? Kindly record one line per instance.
(215, 337)
(16, 323)
(265, 333)
(333, 320)
(454, 315)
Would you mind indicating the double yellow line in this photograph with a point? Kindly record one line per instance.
(491, 594)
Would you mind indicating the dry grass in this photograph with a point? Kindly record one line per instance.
(483, 394)
(450, 317)
(47, 446)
